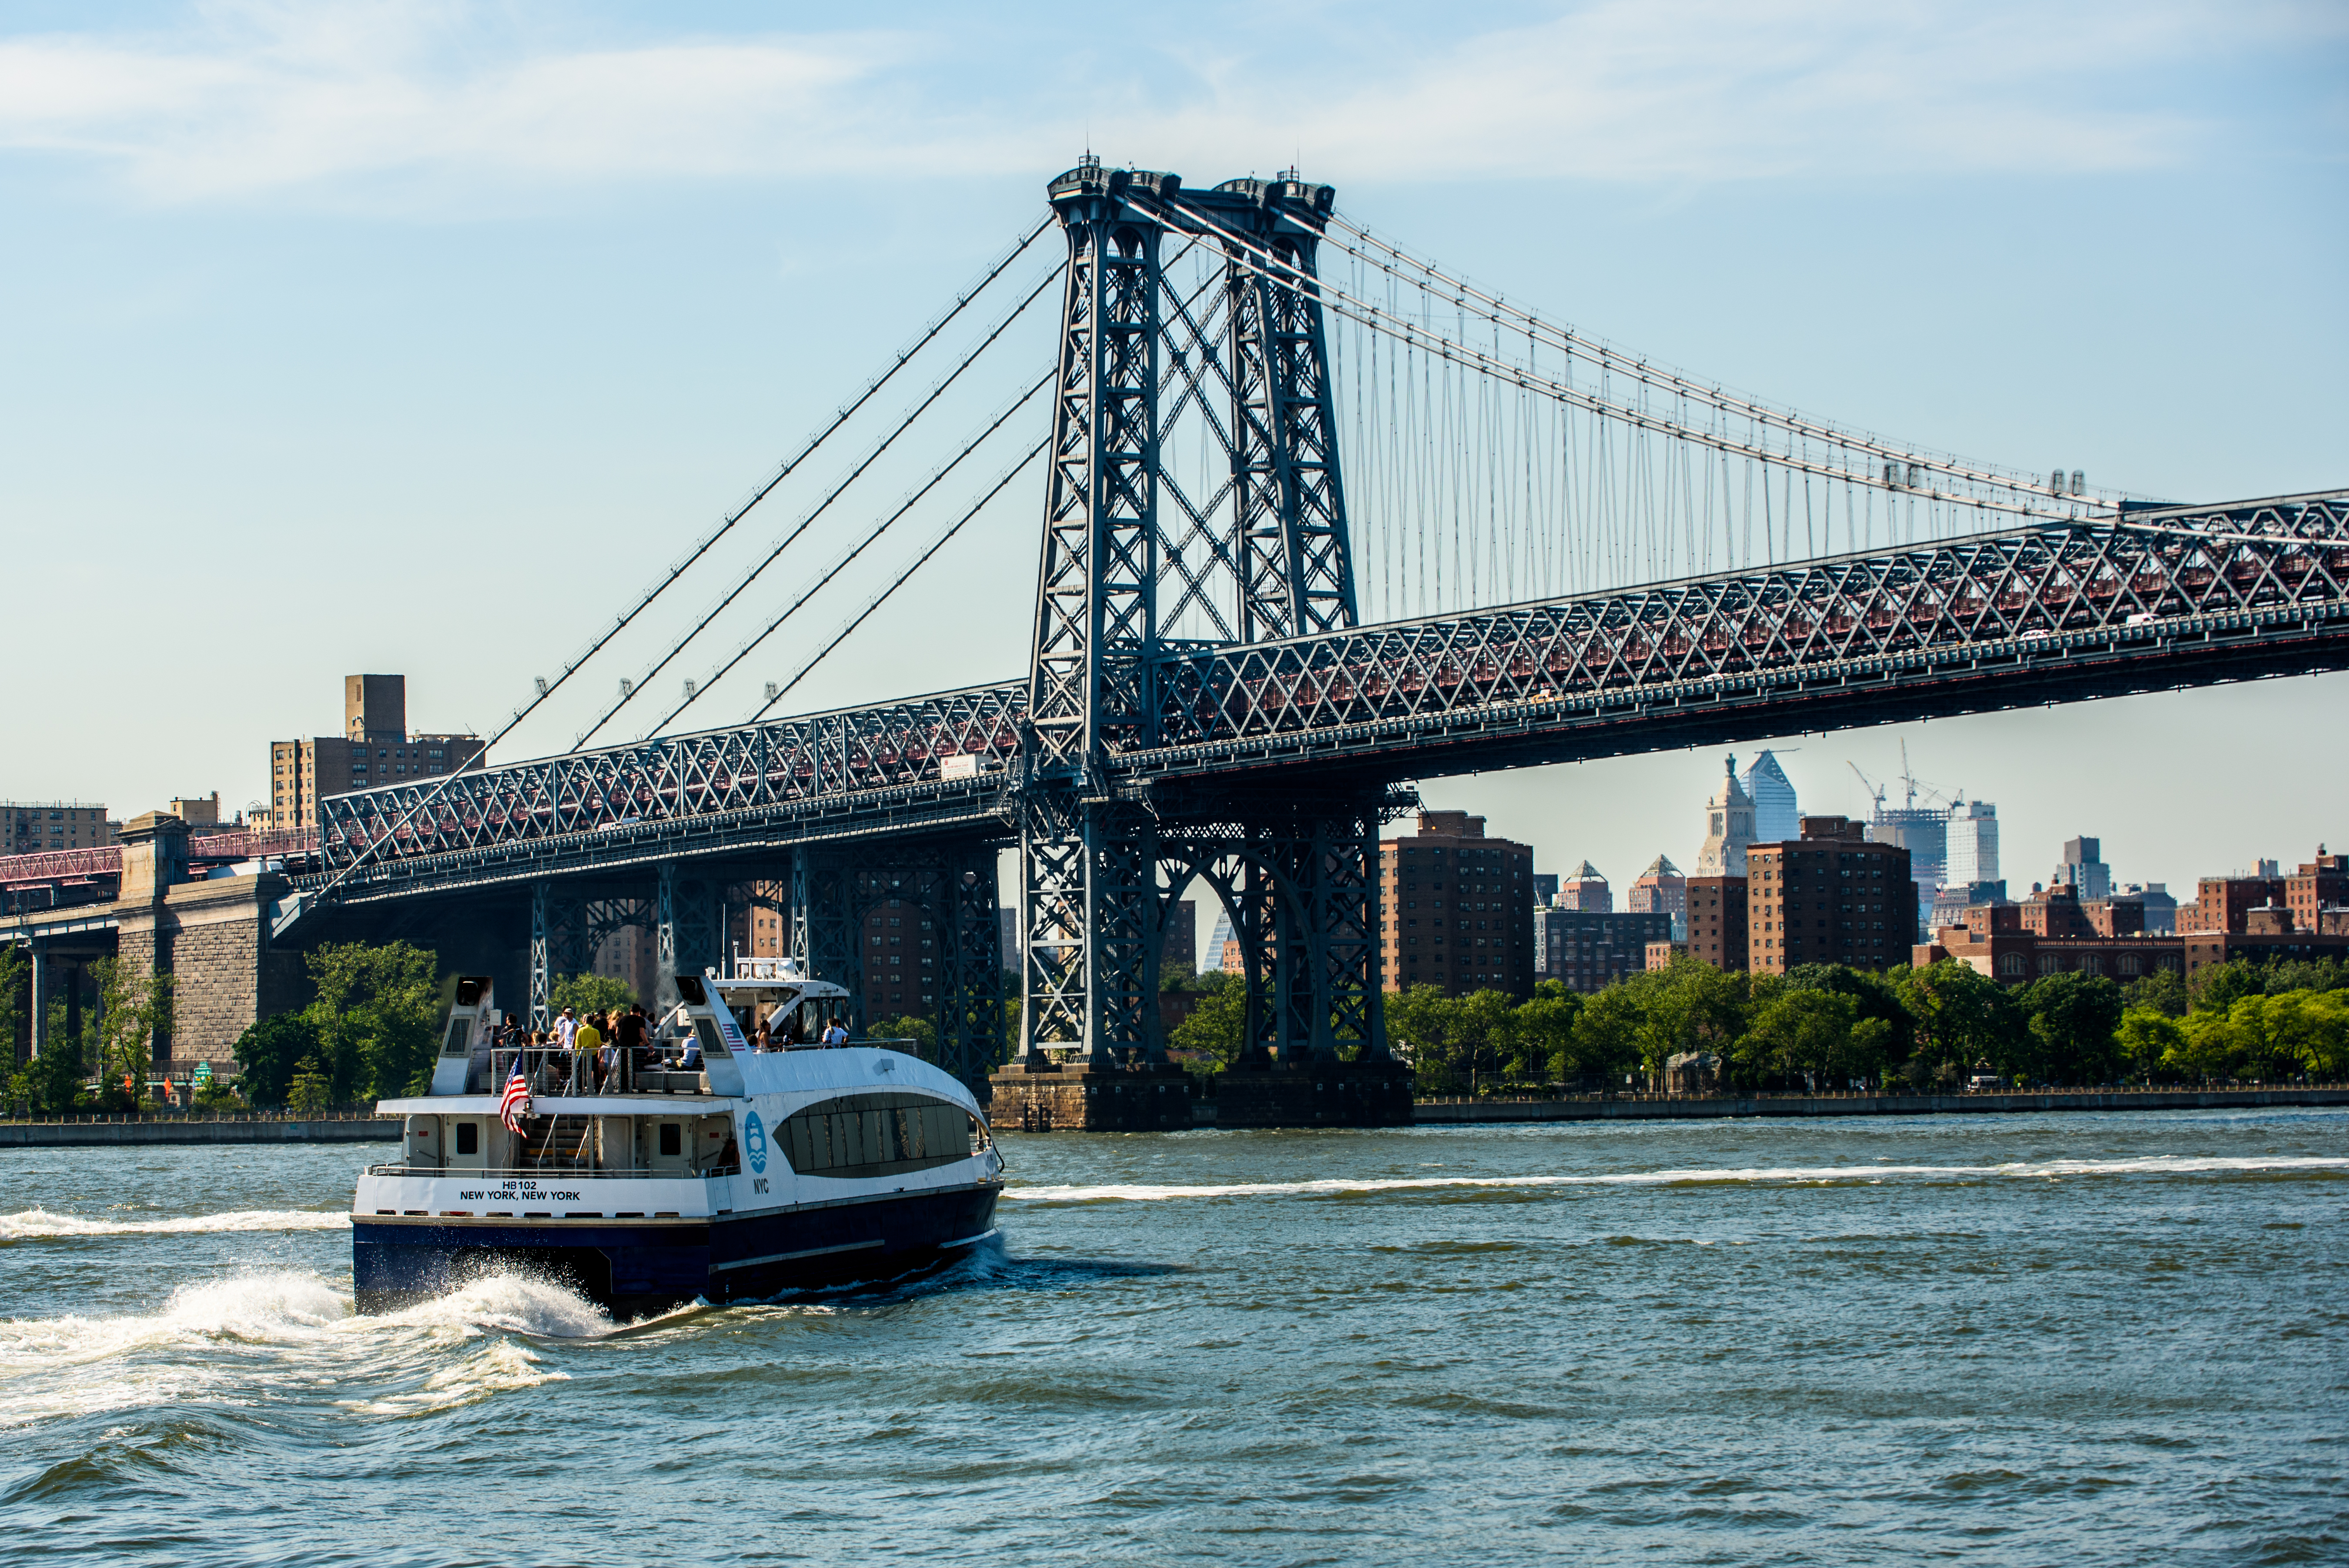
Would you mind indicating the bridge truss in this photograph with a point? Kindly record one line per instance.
(1262, 754)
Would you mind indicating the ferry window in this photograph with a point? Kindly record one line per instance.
(469, 1137)
(877, 1135)
(672, 1138)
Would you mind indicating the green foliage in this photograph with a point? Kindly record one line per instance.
(312, 1091)
(16, 998)
(218, 1095)
(588, 993)
(375, 1018)
(2070, 1037)
(921, 1031)
(2221, 986)
(269, 1051)
(2163, 991)
(1216, 1033)
(1804, 1033)
(1963, 1018)
(2149, 1040)
(132, 1007)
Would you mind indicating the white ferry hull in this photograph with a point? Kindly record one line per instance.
(636, 1266)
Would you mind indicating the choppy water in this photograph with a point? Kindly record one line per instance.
(2079, 1339)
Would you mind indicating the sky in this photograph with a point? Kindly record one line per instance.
(420, 337)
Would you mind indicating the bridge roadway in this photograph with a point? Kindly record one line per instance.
(2164, 599)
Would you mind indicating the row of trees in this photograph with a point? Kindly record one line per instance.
(105, 1066)
(1827, 1026)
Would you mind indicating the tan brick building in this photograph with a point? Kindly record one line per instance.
(1457, 908)
(37, 827)
(374, 749)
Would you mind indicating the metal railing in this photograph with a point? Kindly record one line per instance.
(539, 1172)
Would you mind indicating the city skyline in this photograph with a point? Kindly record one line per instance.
(561, 285)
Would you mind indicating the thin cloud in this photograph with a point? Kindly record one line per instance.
(260, 101)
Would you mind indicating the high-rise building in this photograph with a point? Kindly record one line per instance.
(2160, 908)
(1588, 950)
(1716, 921)
(1007, 918)
(1662, 889)
(1585, 890)
(1221, 947)
(1832, 896)
(2319, 883)
(2083, 870)
(1545, 888)
(373, 750)
(1458, 908)
(1180, 956)
(1728, 827)
(1972, 845)
(1778, 815)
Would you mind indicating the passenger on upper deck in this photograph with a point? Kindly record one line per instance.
(836, 1034)
(763, 1038)
(566, 1028)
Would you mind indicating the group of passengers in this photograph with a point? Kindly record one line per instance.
(589, 1050)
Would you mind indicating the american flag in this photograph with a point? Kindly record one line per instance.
(516, 1104)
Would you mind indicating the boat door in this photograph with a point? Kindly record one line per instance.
(469, 1024)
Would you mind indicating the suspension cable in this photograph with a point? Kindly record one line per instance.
(628, 691)
(1643, 369)
(842, 564)
(1010, 474)
(726, 524)
(1245, 252)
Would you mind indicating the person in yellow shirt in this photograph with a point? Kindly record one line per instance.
(587, 1052)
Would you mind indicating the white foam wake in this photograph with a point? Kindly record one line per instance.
(39, 1224)
(224, 1337)
(2152, 1165)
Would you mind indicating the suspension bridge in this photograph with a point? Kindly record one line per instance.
(1539, 547)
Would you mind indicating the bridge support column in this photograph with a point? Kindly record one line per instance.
(1089, 886)
(44, 980)
(542, 976)
(971, 1018)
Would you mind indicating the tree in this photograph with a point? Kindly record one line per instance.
(2072, 1017)
(16, 998)
(1544, 1033)
(1607, 1034)
(1805, 1033)
(133, 1006)
(2163, 991)
(921, 1031)
(1962, 1017)
(1215, 1032)
(2149, 1039)
(311, 1092)
(375, 1015)
(1424, 1024)
(269, 1051)
(53, 1082)
(2313, 1026)
(588, 993)
(2221, 986)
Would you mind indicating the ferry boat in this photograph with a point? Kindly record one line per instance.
(742, 1175)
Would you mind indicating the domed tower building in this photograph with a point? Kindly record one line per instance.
(1728, 829)
(1716, 916)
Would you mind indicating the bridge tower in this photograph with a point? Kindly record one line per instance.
(1098, 862)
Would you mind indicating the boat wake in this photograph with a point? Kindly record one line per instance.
(40, 1225)
(226, 1339)
(1815, 1175)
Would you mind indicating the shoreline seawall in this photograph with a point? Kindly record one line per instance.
(98, 1133)
(1668, 1107)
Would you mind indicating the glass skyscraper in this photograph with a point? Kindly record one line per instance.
(1776, 815)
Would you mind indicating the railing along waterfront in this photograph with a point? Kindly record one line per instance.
(537, 1172)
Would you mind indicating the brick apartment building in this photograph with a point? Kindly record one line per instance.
(1662, 889)
(37, 827)
(1590, 951)
(2007, 943)
(1717, 929)
(1831, 896)
(1457, 908)
(374, 749)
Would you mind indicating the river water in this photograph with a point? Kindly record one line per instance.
(2066, 1339)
